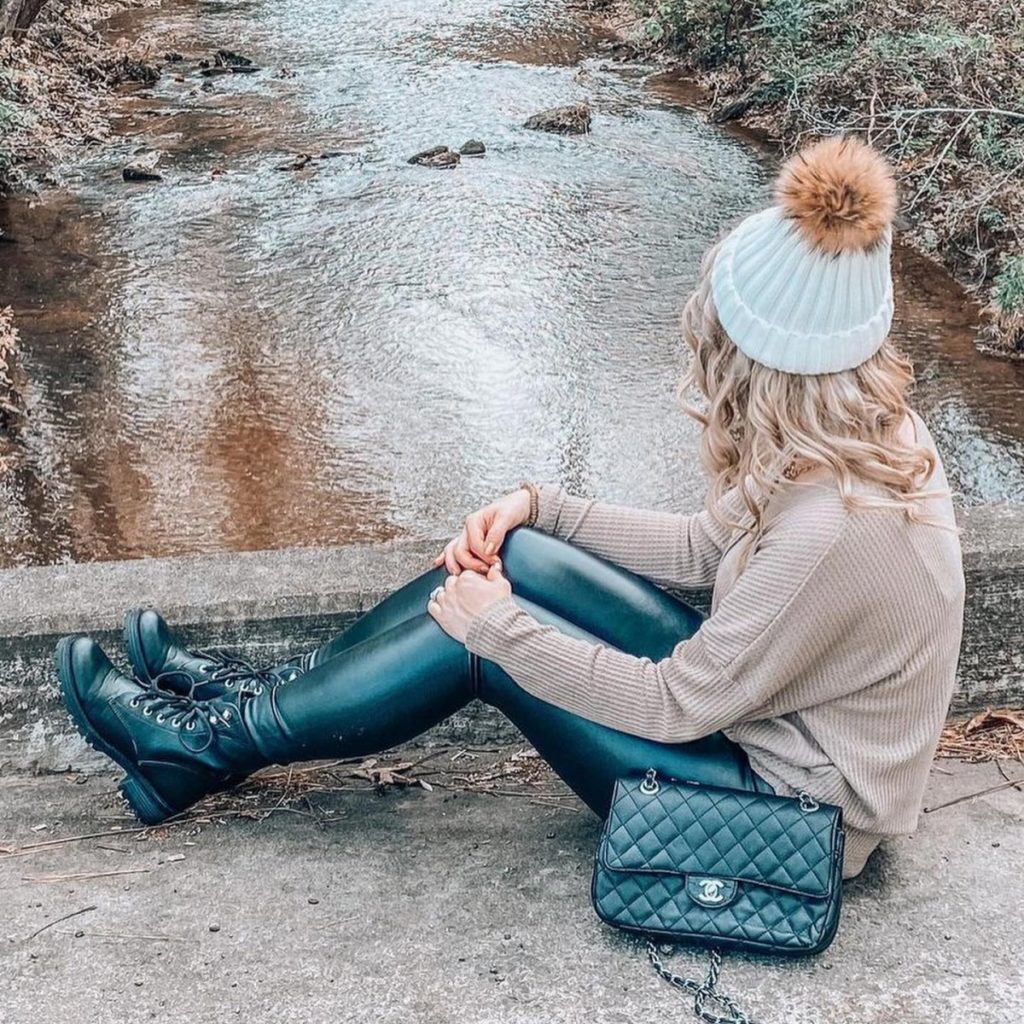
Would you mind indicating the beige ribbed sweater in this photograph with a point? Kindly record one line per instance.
(829, 656)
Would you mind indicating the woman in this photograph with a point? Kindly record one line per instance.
(827, 662)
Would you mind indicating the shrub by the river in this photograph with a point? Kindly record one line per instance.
(8, 123)
(1008, 302)
(11, 406)
(937, 84)
(56, 82)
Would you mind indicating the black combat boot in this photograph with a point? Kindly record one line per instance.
(174, 748)
(156, 654)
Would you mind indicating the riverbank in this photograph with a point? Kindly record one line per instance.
(937, 86)
(57, 84)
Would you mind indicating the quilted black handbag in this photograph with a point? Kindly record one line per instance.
(725, 868)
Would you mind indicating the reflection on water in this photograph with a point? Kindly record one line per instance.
(365, 349)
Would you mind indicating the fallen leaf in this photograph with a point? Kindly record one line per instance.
(992, 719)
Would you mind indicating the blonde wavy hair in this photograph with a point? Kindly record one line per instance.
(762, 424)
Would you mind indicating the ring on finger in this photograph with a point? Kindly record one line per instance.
(436, 593)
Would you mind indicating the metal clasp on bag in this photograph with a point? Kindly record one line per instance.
(650, 784)
(808, 803)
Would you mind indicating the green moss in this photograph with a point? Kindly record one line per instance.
(797, 21)
(935, 40)
(11, 117)
(1009, 285)
(707, 29)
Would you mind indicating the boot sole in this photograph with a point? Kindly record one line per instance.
(141, 797)
(133, 645)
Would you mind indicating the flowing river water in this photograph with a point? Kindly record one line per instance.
(242, 357)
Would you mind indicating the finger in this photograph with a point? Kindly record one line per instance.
(466, 558)
(494, 573)
(440, 559)
(450, 584)
(475, 534)
(434, 610)
(451, 562)
(496, 534)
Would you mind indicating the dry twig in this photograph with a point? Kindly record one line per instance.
(80, 876)
(66, 917)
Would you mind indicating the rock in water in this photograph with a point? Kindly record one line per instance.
(570, 120)
(227, 62)
(142, 166)
(297, 164)
(230, 59)
(443, 161)
(427, 154)
(140, 172)
(473, 148)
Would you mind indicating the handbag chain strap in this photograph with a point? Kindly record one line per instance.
(703, 993)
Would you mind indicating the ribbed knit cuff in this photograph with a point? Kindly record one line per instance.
(487, 632)
(549, 502)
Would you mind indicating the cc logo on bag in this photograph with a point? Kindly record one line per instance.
(709, 891)
(712, 890)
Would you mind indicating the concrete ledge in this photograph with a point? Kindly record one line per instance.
(250, 586)
(271, 603)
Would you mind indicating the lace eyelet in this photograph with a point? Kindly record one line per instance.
(227, 715)
(230, 684)
(190, 726)
(204, 670)
(160, 717)
(257, 690)
(175, 723)
(147, 710)
(134, 702)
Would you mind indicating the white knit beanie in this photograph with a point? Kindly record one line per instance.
(805, 286)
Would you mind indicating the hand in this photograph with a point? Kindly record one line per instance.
(477, 546)
(462, 598)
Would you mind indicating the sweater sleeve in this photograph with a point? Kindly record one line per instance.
(673, 550)
(768, 628)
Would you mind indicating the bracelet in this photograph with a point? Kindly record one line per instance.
(534, 493)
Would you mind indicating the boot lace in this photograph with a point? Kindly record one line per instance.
(234, 671)
(183, 711)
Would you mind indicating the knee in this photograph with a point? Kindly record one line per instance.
(527, 550)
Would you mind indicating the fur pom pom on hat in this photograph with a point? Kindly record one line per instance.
(805, 286)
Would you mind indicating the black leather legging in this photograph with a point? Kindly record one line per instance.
(395, 673)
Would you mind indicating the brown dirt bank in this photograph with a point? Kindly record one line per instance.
(938, 85)
(56, 82)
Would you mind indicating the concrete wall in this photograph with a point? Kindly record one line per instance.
(272, 603)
